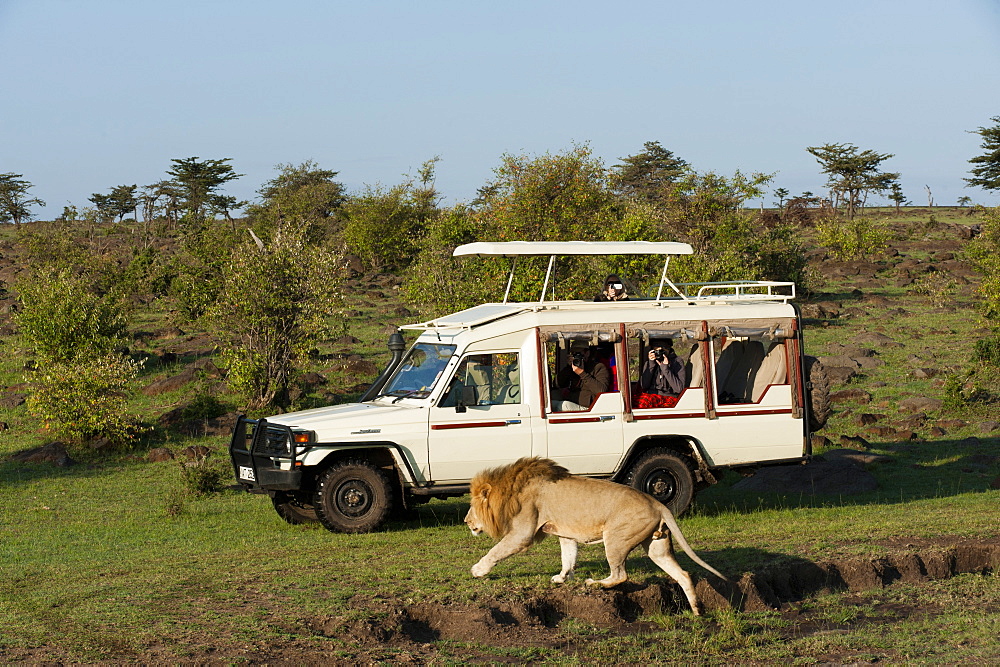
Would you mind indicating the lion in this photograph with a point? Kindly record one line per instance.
(521, 503)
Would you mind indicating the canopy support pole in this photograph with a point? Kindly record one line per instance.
(663, 279)
(548, 274)
(510, 279)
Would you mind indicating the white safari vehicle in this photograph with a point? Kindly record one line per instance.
(478, 389)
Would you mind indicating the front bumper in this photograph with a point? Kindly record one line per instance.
(256, 449)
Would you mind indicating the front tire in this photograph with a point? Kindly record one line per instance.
(293, 510)
(353, 497)
(665, 475)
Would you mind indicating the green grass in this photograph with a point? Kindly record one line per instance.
(113, 560)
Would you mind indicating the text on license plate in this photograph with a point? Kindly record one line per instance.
(247, 474)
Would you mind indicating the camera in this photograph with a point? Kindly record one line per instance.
(577, 358)
(659, 354)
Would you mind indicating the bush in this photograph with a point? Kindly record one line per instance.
(984, 251)
(61, 319)
(853, 239)
(271, 310)
(204, 476)
(86, 398)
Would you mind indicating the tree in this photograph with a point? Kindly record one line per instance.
(272, 308)
(14, 199)
(986, 173)
(853, 173)
(305, 193)
(383, 226)
(964, 201)
(647, 175)
(896, 195)
(82, 384)
(199, 180)
(781, 194)
(119, 202)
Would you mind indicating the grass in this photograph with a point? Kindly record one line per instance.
(114, 560)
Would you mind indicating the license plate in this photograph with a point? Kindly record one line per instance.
(247, 474)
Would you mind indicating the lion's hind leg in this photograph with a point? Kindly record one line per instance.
(661, 552)
(568, 548)
(616, 553)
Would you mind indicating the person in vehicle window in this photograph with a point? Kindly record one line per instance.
(614, 290)
(663, 376)
(580, 382)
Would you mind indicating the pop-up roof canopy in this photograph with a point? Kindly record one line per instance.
(552, 249)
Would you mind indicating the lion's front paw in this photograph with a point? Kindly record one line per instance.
(562, 578)
(480, 570)
(592, 582)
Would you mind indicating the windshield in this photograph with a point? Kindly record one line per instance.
(419, 371)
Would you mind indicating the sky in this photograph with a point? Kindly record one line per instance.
(100, 93)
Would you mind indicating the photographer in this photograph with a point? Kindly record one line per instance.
(580, 382)
(663, 375)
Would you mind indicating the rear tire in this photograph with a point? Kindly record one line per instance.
(665, 475)
(353, 497)
(293, 510)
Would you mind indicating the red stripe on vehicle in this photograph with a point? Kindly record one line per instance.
(440, 427)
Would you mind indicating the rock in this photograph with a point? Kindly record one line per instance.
(850, 395)
(840, 375)
(222, 425)
(953, 423)
(863, 458)
(346, 340)
(54, 453)
(159, 454)
(195, 452)
(206, 368)
(854, 441)
(920, 403)
(868, 363)
(355, 367)
(937, 432)
(882, 431)
(353, 265)
(819, 441)
(989, 427)
(12, 400)
(867, 418)
(311, 380)
(168, 334)
(924, 373)
(877, 339)
(906, 434)
(101, 444)
(172, 383)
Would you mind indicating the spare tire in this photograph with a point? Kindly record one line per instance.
(817, 393)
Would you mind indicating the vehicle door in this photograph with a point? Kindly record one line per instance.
(586, 441)
(481, 421)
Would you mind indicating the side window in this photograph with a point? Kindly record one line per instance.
(495, 377)
(745, 367)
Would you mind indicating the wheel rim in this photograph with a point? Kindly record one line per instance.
(661, 484)
(354, 498)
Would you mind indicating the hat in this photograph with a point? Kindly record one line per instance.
(578, 344)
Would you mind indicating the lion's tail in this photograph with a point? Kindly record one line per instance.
(667, 519)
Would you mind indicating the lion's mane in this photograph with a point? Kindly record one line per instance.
(498, 494)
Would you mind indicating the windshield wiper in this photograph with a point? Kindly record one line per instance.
(406, 395)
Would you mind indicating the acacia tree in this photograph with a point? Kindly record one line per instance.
(198, 182)
(119, 202)
(986, 173)
(648, 175)
(853, 173)
(14, 199)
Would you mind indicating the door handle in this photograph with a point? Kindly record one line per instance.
(513, 421)
(605, 418)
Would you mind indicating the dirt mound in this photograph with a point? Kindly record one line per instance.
(536, 620)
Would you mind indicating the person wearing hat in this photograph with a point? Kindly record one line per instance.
(580, 382)
(614, 290)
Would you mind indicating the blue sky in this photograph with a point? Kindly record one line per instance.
(101, 93)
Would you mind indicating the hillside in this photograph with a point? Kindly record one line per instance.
(885, 552)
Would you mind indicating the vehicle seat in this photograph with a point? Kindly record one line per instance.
(511, 392)
(773, 370)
